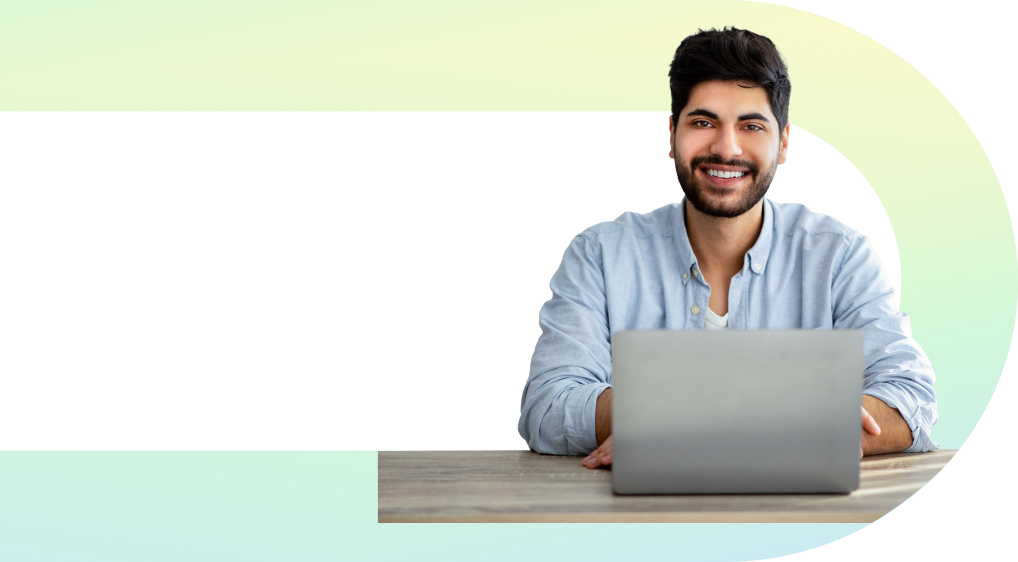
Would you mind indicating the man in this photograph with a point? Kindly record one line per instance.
(724, 258)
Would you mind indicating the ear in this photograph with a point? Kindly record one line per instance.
(671, 137)
(784, 143)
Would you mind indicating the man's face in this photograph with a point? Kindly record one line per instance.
(726, 144)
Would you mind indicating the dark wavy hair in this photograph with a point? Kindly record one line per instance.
(730, 55)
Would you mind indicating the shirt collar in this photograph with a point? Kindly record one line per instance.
(756, 256)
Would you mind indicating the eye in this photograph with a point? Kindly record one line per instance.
(754, 127)
(701, 123)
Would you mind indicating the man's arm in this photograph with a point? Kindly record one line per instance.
(894, 434)
(897, 378)
(571, 365)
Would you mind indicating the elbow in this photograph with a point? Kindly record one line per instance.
(544, 442)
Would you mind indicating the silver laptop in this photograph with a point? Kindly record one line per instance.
(736, 412)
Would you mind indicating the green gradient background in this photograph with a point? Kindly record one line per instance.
(886, 118)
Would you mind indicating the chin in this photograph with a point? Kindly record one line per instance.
(727, 206)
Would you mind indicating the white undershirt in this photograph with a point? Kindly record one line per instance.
(715, 322)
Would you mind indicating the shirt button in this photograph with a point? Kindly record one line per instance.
(696, 273)
(695, 309)
(685, 276)
(757, 266)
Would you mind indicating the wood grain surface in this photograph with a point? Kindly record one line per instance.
(526, 487)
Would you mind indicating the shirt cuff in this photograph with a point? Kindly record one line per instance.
(921, 442)
(910, 411)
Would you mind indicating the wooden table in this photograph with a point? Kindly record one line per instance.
(522, 486)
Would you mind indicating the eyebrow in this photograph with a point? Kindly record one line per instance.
(711, 115)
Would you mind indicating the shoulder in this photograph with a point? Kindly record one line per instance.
(659, 222)
(798, 221)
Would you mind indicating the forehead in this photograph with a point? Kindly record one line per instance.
(729, 99)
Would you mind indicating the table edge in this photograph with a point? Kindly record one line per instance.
(644, 517)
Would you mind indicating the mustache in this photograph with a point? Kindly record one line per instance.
(716, 160)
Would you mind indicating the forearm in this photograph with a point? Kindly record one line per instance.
(603, 415)
(895, 435)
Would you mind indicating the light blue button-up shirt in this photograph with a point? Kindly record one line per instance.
(638, 272)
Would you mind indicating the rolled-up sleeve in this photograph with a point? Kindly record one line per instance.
(571, 365)
(897, 370)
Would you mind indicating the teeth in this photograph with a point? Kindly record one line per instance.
(720, 174)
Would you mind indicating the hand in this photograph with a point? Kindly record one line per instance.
(602, 456)
(869, 425)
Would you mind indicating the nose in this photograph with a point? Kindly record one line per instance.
(726, 143)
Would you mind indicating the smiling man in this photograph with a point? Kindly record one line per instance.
(724, 258)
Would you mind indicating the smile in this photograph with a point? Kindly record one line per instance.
(723, 178)
(721, 174)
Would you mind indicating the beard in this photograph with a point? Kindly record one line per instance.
(710, 200)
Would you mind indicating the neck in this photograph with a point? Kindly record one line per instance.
(720, 244)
